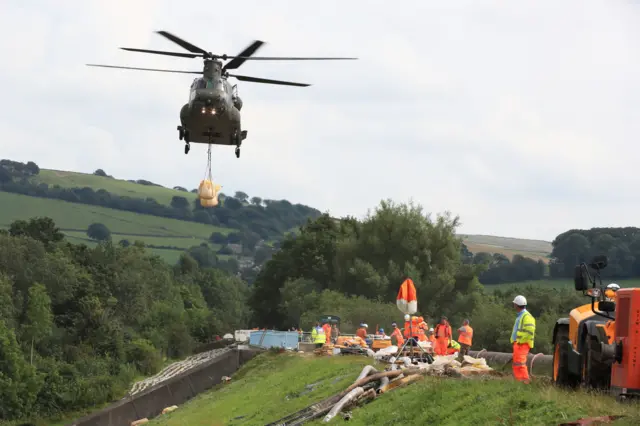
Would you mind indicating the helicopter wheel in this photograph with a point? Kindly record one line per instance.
(186, 148)
(237, 152)
(180, 132)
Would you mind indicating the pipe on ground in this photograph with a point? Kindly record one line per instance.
(503, 357)
(368, 369)
(348, 398)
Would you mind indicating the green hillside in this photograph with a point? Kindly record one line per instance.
(277, 385)
(74, 219)
(119, 187)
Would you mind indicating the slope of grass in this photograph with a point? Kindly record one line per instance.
(115, 186)
(557, 284)
(535, 249)
(78, 217)
(273, 386)
(75, 218)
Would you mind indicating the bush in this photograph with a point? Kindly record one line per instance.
(144, 356)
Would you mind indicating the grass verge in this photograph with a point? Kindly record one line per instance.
(555, 284)
(272, 386)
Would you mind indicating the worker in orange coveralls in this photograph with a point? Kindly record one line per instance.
(422, 330)
(522, 337)
(397, 334)
(443, 336)
(327, 331)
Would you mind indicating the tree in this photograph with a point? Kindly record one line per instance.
(241, 196)
(100, 172)
(38, 318)
(5, 176)
(232, 203)
(32, 168)
(39, 228)
(218, 238)
(178, 202)
(256, 201)
(98, 232)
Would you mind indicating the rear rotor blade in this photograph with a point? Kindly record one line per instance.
(162, 52)
(180, 42)
(144, 69)
(243, 56)
(268, 81)
(284, 58)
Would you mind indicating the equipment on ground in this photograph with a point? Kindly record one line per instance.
(212, 115)
(598, 345)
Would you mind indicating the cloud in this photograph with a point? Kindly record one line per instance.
(521, 118)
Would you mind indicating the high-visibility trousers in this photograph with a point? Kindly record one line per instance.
(519, 362)
(441, 345)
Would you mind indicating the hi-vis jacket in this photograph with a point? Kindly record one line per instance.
(525, 329)
(318, 336)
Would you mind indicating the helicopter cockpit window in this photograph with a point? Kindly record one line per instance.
(202, 84)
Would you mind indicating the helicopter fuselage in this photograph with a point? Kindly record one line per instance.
(212, 114)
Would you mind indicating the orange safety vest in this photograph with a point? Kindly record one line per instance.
(432, 338)
(466, 336)
(327, 331)
(407, 330)
(443, 331)
(398, 335)
(361, 333)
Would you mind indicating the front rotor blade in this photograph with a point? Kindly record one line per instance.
(143, 69)
(268, 81)
(180, 42)
(162, 52)
(243, 56)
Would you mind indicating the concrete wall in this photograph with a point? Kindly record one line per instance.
(175, 391)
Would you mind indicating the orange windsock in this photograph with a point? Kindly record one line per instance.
(407, 301)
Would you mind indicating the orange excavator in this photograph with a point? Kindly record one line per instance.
(599, 344)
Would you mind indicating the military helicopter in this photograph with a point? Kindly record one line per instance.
(212, 115)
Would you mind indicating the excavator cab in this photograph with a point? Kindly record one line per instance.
(595, 346)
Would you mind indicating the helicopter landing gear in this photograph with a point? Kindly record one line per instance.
(180, 132)
(236, 138)
(237, 152)
(187, 147)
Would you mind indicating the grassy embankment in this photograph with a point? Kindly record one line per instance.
(75, 218)
(273, 386)
(534, 249)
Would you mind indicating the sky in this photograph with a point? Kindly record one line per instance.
(522, 118)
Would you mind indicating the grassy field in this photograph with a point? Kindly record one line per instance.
(535, 249)
(273, 386)
(74, 219)
(114, 186)
(559, 284)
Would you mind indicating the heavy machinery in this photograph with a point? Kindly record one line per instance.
(598, 346)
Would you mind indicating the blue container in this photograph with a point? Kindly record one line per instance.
(274, 339)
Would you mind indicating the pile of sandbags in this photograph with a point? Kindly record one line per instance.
(450, 365)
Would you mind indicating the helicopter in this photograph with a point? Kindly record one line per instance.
(212, 115)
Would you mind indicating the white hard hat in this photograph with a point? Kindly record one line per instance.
(520, 300)
(407, 317)
(431, 329)
(613, 286)
(365, 325)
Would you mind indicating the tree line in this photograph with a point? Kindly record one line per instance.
(620, 245)
(496, 268)
(262, 218)
(78, 324)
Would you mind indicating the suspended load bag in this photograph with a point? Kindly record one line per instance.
(208, 191)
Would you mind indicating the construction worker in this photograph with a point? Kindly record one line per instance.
(610, 292)
(335, 331)
(407, 326)
(397, 334)
(422, 330)
(431, 337)
(443, 336)
(453, 347)
(381, 333)
(465, 338)
(317, 336)
(327, 331)
(362, 331)
(522, 337)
